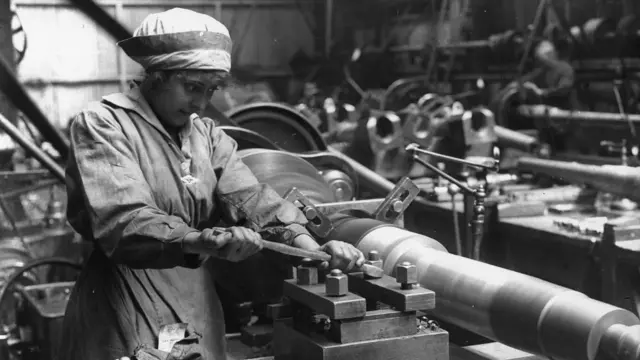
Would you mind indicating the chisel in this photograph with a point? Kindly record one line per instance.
(369, 270)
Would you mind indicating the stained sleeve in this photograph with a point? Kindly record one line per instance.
(124, 220)
(245, 201)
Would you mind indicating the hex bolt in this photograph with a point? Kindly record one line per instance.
(407, 275)
(336, 283)
(374, 259)
(307, 273)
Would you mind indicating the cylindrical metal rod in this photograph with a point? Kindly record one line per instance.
(515, 140)
(515, 309)
(367, 177)
(554, 113)
(36, 152)
(489, 164)
(614, 179)
(472, 44)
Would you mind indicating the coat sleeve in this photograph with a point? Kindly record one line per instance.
(245, 201)
(124, 220)
(564, 82)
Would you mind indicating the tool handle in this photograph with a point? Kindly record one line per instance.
(286, 249)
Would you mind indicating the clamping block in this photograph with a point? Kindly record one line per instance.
(387, 290)
(378, 324)
(289, 344)
(315, 297)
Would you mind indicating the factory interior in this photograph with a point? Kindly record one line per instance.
(479, 159)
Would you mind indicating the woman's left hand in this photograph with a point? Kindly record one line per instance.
(344, 256)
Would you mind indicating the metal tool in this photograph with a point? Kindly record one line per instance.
(474, 197)
(367, 269)
(318, 223)
(397, 201)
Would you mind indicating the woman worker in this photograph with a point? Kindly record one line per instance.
(147, 182)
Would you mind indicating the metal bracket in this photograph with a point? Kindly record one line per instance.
(319, 224)
(397, 201)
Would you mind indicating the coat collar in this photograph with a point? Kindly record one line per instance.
(133, 100)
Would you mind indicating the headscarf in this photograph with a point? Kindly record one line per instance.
(546, 51)
(180, 39)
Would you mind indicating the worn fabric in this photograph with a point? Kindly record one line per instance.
(180, 39)
(136, 193)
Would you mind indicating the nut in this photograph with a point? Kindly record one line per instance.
(407, 275)
(374, 259)
(336, 283)
(307, 274)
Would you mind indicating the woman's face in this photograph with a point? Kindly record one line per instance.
(182, 94)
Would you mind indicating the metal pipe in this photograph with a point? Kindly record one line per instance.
(614, 179)
(32, 149)
(367, 177)
(554, 113)
(515, 309)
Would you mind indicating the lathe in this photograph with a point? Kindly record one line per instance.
(338, 318)
(349, 316)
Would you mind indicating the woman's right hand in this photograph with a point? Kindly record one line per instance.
(234, 244)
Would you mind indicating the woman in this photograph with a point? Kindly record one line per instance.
(148, 179)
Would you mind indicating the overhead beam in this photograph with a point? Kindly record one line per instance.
(7, 53)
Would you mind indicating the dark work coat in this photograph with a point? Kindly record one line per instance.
(135, 193)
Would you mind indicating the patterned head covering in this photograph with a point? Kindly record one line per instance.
(180, 39)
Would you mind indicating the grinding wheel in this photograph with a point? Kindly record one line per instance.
(284, 126)
(283, 170)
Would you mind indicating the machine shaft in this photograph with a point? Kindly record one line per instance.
(515, 309)
(618, 180)
(554, 113)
